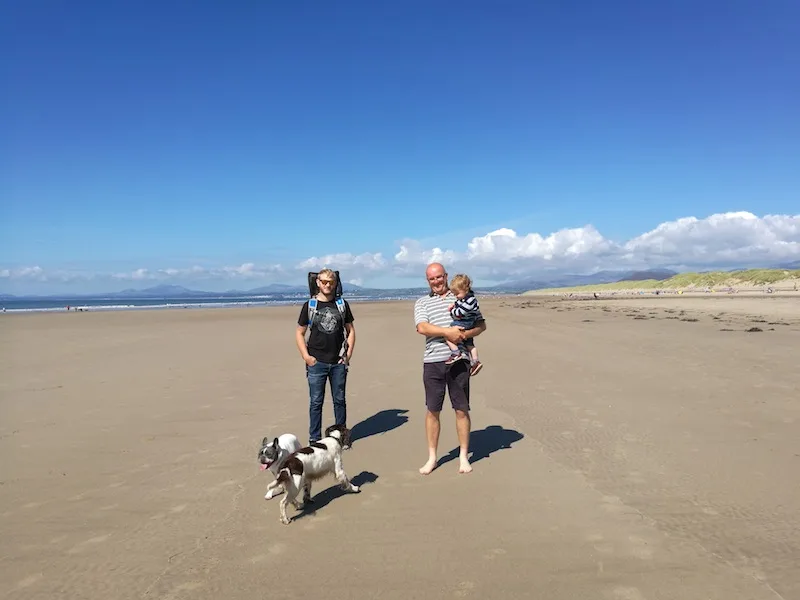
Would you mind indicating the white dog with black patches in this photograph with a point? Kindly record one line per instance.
(273, 456)
(311, 463)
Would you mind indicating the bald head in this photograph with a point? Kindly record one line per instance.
(437, 278)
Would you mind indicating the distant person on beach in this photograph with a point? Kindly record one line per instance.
(465, 312)
(432, 319)
(327, 353)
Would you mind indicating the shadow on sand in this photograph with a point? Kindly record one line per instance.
(322, 499)
(380, 422)
(483, 442)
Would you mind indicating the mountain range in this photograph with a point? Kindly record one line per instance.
(520, 285)
(510, 287)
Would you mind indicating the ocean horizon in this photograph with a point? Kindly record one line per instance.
(106, 303)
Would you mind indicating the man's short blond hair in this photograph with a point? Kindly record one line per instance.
(329, 272)
(461, 283)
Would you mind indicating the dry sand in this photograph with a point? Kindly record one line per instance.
(622, 449)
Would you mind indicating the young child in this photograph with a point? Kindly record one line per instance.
(465, 312)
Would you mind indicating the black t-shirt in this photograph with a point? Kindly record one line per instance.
(327, 330)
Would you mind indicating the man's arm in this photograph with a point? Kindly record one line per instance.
(300, 339)
(351, 339)
(453, 334)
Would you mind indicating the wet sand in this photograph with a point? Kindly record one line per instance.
(624, 449)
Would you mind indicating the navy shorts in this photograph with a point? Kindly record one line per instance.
(454, 378)
(469, 342)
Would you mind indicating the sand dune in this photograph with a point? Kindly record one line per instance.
(623, 449)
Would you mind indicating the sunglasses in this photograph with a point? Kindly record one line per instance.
(327, 281)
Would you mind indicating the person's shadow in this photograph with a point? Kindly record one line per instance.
(380, 422)
(483, 442)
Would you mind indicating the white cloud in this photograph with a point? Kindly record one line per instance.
(355, 266)
(722, 240)
(727, 240)
(505, 244)
(411, 257)
(25, 273)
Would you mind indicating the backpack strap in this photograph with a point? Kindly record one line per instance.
(312, 310)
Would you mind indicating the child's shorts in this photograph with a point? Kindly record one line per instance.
(469, 342)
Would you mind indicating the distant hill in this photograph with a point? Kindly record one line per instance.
(658, 274)
(562, 280)
(656, 277)
(158, 291)
(791, 265)
(749, 277)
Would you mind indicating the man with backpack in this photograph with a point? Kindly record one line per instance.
(326, 337)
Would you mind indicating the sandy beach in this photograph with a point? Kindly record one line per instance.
(626, 449)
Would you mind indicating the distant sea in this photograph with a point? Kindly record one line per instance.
(99, 303)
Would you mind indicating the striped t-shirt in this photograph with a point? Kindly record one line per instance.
(433, 309)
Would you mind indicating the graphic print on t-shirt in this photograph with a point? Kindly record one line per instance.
(327, 321)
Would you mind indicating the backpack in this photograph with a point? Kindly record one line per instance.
(312, 308)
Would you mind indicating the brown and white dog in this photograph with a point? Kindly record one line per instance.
(313, 462)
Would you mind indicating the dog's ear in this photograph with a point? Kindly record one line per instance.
(275, 442)
(264, 442)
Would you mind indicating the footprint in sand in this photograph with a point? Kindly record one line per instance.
(29, 581)
(635, 477)
(177, 509)
(370, 499)
(613, 504)
(274, 550)
(221, 486)
(316, 521)
(184, 587)
(641, 548)
(464, 589)
(494, 553)
(627, 593)
(90, 542)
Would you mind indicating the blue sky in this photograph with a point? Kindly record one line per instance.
(229, 145)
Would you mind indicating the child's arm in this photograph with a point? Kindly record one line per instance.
(464, 306)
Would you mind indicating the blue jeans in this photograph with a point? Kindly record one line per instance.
(317, 376)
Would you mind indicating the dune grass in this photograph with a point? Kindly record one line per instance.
(689, 280)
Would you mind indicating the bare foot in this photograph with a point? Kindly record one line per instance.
(464, 466)
(428, 466)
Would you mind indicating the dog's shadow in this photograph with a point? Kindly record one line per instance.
(335, 491)
(483, 442)
(380, 422)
